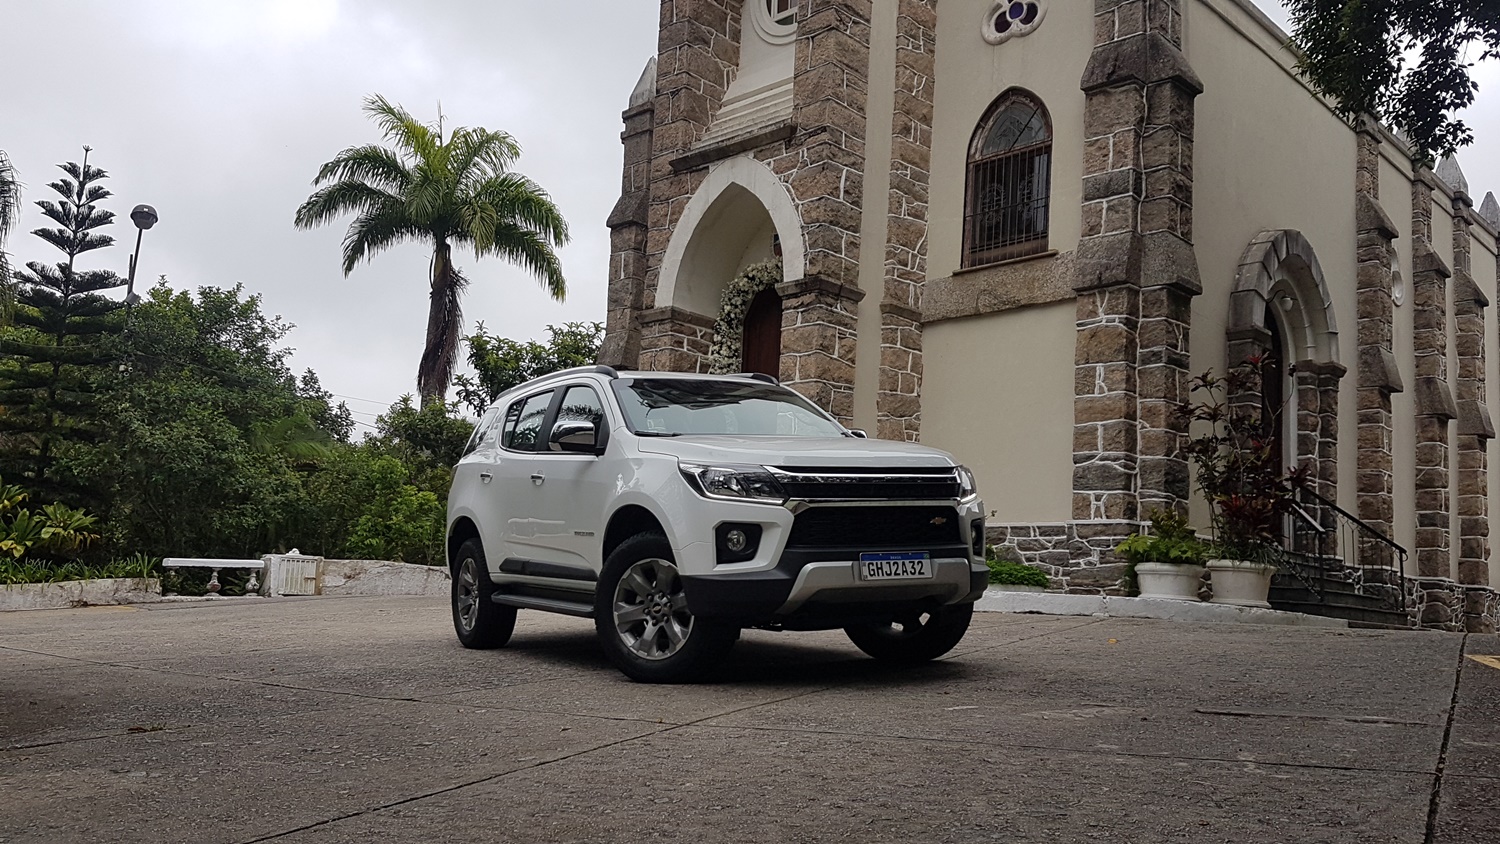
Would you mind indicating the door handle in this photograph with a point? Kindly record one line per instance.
(486, 477)
(537, 478)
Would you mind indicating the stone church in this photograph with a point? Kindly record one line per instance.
(1014, 229)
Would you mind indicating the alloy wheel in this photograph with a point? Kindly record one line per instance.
(468, 594)
(650, 610)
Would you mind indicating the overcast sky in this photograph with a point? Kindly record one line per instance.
(220, 113)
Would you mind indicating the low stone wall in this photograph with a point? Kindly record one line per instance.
(1069, 557)
(378, 577)
(1437, 603)
(80, 593)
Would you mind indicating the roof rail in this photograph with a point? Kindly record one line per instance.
(608, 371)
(761, 376)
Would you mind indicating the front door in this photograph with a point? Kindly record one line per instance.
(761, 350)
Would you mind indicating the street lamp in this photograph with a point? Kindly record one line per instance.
(144, 217)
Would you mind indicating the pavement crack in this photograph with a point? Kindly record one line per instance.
(1082, 751)
(1435, 803)
(436, 792)
(1374, 720)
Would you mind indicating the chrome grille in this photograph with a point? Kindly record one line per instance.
(818, 484)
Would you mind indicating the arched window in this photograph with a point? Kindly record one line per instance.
(783, 12)
(1010, 181)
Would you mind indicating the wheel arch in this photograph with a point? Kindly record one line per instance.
(627, 521)
(462, 530)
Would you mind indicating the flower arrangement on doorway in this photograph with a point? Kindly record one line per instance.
(1240, 474)
(726, 354)
(1167, 562)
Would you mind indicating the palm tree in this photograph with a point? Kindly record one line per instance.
(10, 214)
(457, 189)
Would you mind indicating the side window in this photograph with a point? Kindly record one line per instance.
(523, 422)
(1009, 181)
(483, 430)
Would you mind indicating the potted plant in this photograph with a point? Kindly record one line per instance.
(1168, 561)
(1239, 472)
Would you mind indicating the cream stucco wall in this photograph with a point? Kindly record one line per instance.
(1267, 155)
(1395, 198)
(1001, 386)
(971, 74)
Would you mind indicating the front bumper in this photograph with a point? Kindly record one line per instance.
(820, 589)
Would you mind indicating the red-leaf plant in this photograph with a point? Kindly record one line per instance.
(1237, 466)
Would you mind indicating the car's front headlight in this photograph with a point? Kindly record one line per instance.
(967, 485)
(734, 482)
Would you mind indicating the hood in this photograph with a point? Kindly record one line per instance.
(820, 452)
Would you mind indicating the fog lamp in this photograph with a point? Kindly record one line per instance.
(736, 541)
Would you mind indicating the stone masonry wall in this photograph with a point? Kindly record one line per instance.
(1474, 427)
(1135, 271)
(1434, 399)
(1378, 377)
(898, 404)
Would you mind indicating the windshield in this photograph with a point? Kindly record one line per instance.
(665, 407)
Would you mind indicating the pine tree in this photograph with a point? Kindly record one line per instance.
(54, 353)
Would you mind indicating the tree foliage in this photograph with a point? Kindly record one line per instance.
(501, 363)
(1408, 62)
(55, 350)
(443, 190)
(10, 214)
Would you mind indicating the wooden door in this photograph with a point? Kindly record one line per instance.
(761, 349)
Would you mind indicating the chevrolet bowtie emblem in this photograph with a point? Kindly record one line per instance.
(940, 520)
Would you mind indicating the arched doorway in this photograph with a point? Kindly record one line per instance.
(1276, 414)
(761, 348)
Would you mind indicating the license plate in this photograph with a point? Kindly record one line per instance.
(894, 567)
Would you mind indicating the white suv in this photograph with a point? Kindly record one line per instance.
(676, 509)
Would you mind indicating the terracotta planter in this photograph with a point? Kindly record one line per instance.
(1241, 582)
(1168, 580)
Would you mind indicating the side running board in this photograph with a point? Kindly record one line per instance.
(527, 602)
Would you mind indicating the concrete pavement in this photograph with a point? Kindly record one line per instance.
(360, 719)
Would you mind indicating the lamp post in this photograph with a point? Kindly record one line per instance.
(144, 217)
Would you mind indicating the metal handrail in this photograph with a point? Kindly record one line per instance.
(1374, 534)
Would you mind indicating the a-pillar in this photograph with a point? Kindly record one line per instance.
(1435, 407)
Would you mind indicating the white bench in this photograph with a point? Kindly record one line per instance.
(293, 573)
(252, 586)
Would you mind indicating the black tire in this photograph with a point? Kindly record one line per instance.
(920, 637)
(479, 622)
(666, 644)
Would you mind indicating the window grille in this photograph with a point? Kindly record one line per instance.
(1009, 182)
(783, 12)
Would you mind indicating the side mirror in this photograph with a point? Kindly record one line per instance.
(575, 435)
(858, 433)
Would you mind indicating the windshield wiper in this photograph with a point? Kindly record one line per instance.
(658, 434)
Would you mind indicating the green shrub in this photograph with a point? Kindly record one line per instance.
(1012, 572)
(32, 570)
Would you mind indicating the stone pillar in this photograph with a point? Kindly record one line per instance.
(1317, 387)
(819, 324)
(824, 167)
(898, 400)
(627, 230)
(698, 50)
(675, 340)
(1435, 407)
(1378, 377)
(1136, 271)
(1475, 429)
